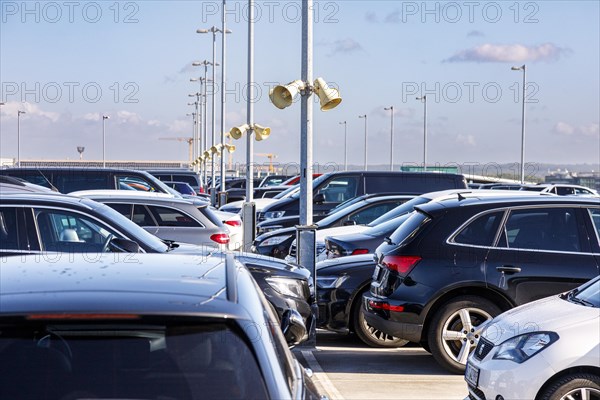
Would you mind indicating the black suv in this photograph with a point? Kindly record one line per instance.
(71, 179)
(454, 265)
(334, 188)
(142, 326)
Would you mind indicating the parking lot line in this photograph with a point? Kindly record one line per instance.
(320, 376)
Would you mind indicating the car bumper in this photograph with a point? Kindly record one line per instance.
(508, 379)
(333, 305)
(401, 324)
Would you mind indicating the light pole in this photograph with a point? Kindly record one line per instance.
(424, 100)
(522, 68)
(19, 137)
(391, 108)
(214, 30)
(197, 124)
(104, 118)
(365, 117)
(206, 63)
(202, 127)
(345, 144)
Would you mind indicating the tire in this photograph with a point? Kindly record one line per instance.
(573, 387)
(449, 341)
(368, 334)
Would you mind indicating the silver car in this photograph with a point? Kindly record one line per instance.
(167, 217)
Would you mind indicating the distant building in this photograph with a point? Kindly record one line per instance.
(587, 179)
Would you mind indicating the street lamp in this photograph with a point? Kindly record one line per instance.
(214, 30)
(345, 145)
(522, 68)
(365, 117)
(424, 100)
(19, 137)
(104, 118)
(391, 108)
(203, 83)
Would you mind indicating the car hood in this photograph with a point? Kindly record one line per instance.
(278, 232)
(550, 314)
(340, 230)
(345, 262)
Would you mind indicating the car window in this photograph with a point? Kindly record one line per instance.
(169, 359)
(481, 231)
(135, 183)
(121, 208)
(564, 190)
(9, 229)
(368, 214)
(402, 209)
(68, 181)
(166, 216)
(62, 230)
(595, 213)
(340, 189)
(542, 229)
(409, 228)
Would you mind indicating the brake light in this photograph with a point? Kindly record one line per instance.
(233, 222)
(201, 190)
(221, 238)
(381, 305)
(401, 264)
(360, 251)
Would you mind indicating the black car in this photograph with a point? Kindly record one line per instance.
(180, 175)
(334, 188)
(340, 287)
(96, 326)
(277, 243)
(455, 264)
(43, 224)
(71, 179)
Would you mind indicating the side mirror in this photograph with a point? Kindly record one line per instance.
(118, 245)
(349, 222)
(319, 198)
(293, 327)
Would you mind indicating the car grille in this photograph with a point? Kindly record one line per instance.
(475, 394)
(483, 349)
(293, 250)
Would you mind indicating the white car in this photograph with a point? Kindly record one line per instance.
(545, 350)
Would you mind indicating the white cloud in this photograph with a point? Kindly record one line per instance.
(11, 108)
(128, 117)
(509, 53)
(590, 129)
(345, 46)
(468, 140)
(564, 129)
(91, 117)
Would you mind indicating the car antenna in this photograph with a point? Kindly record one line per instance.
(49, 183)
(460, 197)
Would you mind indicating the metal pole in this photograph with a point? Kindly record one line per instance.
(523, 129)
(392, 140)
(223, 82)
(104, 118)
(204, 117)
(19, 112)
(366, 141)
(425, 133)
(345, 145)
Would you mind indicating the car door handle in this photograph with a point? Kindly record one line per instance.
(508, 269)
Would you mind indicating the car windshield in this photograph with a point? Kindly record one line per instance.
(402, 209)
(164, 358)
(128, 226)
(287, 192)
(589, 295)
(345, 204)
(316, 182)
(388, 227)
(332, 217)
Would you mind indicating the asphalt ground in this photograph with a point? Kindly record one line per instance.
(345, 368)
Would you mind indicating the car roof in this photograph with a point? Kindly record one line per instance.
(120, 283)
(505, 201)
(47, 197)
(122, 194)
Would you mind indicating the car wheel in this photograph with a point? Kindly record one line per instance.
(574, 387)
(368, 334)
(453, 332)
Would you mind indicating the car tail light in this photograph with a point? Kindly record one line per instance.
(382, 305)
(201, 190)
(233, 222)
(221, 238)
(401, 264)
(360, 251)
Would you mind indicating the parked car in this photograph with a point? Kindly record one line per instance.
(294, 180)
(455, 264)
(561, 189)
(44, 224)
(273, 180)
(340, 288)
(180, 175)
(182, 187)
(334, 188)
(11, 184)
(260, 203)
(236, 189)
(134, 329)
(548, 349)
(277, 243)
(168, 218)
(71, 179)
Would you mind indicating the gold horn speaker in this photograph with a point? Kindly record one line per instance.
(206, 155)
(282, 96)
(216, 149)
(230, 147)
(238, 131)
(329, 97)
(261, 132)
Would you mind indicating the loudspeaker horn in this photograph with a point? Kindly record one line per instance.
(282, 96)
(238, 131)
(329, 97)
(261, 132)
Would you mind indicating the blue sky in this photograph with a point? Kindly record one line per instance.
(66, 64)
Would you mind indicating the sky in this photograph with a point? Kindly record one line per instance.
(68, 63)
